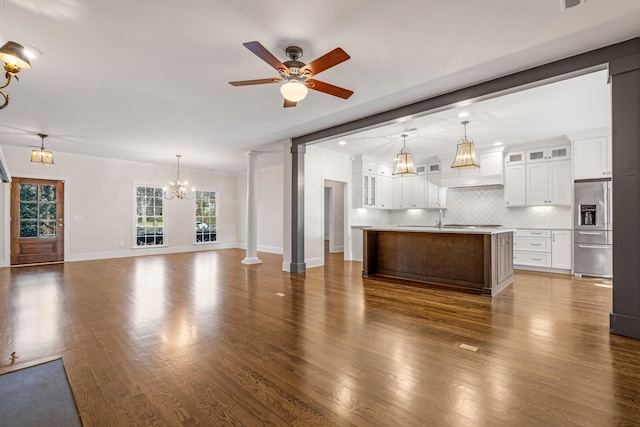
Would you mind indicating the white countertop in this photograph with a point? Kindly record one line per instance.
(434, 229)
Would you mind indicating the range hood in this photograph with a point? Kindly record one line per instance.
(472, 181)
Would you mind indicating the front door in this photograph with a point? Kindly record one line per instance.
(37, 221)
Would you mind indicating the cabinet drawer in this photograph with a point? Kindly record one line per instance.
(532, 233)
(532, 244)
(532, 259)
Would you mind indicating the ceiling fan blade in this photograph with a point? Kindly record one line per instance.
(266, 56)
(328, 88)
(255, 82)
(326, 61)
(288, 103)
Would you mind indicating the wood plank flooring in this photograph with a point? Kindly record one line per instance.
(199, 339)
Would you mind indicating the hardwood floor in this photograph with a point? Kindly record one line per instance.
(201, 339)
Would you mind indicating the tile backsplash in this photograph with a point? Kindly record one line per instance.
(472, 205)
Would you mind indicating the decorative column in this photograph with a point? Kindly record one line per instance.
(298, 264)
(252, 210)
(624, 74)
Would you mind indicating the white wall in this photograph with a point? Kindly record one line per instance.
(100, 191)
(320, 165)
(270, 209)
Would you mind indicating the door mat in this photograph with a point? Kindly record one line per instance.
(38, 396)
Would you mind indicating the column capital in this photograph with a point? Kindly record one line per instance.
(252, 154)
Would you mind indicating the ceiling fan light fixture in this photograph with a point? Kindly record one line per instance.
(404, 161)
(294, 91)
(40, 155)
(466, 153)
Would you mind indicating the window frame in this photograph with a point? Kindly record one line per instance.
(134, 225)
(195, 215)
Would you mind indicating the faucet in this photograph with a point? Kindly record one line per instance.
(441, 215)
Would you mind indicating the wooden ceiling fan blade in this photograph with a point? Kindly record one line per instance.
(255, 82)
(329, 88)
(265, 55)
(288, 103)
(326, 61)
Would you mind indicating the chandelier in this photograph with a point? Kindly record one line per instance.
(14, 57)
(404, 160)
(178, 188)
(466, 153)
(40, 155)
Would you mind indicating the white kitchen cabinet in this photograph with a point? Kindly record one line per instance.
(548, 183)
(544, 154)
(515, 158)
(384, 199)
(532, 248)
(592, 158)
(515, 185)
(396, 193)
(364, 190)
(413, 192)
(384, 170)
(490, 163)
(561, 249)
(436, 196)
(433, 168)
(421, 169)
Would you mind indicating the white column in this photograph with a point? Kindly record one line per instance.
(252, 210)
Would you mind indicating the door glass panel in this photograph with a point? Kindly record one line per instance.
(37, 210)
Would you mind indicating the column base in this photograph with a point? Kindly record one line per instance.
(252, 261)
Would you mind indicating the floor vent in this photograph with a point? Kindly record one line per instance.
(567, 4)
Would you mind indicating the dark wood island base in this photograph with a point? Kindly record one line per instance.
(478, 261)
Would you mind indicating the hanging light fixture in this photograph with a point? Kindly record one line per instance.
(178, 188)
(466, 154)
(404, 160)
(14, 57)
(40, 155)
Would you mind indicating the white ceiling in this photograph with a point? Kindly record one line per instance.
(553, 113)
(147, 79)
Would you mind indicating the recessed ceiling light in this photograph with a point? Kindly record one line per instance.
(497, 143)
(463, 114)
(342, 142)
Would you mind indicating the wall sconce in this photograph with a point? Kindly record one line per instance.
(14, 57)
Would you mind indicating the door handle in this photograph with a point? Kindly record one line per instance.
(594, 233)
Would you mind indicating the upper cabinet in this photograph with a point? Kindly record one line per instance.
(538, 177)
(560, 152)
(592, 158)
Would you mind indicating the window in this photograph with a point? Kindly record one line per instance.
(37, 210)
(149, 216)
(206, 216)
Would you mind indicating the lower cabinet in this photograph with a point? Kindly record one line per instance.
(542, 249)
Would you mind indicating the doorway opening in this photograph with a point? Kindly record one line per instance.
(334, 209)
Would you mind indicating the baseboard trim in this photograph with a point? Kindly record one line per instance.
(622, 324)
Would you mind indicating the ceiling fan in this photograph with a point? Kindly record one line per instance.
(297, 74)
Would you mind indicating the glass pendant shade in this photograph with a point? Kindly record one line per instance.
(404, 161)
(13, 53)
(42, 156)
(466, 153)
(294, 91)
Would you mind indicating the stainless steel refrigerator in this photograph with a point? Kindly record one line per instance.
(593, 228)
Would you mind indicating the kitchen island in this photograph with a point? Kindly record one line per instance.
(478, 260)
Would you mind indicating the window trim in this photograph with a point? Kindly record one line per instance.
(195, 216)
(134, 217)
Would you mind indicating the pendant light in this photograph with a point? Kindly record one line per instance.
(466, 154)
(40, 155)
(404, 160)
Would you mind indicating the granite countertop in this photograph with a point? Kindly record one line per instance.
(434, 229)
